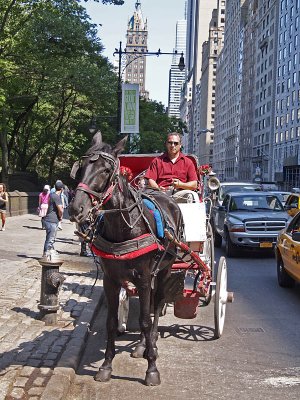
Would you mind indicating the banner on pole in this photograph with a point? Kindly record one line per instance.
(130, 108)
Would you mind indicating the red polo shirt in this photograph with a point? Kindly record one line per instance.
(162, 170)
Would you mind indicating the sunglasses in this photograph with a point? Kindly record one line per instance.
(175, 143)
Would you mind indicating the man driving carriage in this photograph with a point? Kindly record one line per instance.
(172, 169)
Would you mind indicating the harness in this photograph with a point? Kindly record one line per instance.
(129, 249)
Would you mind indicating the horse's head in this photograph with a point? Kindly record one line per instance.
(98, 172)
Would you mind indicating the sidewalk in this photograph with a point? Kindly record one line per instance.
(38, 361)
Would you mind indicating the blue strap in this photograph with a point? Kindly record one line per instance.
(157, 218)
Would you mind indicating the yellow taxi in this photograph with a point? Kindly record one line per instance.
(292, 204)
(288, 254)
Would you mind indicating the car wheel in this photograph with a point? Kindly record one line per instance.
(217, 237)
(230, 248)
(284, 279)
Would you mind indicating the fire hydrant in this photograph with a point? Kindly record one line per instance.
(50, 285)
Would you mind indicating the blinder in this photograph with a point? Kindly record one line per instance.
(75, 171)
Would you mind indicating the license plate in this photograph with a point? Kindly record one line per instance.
(265, 244)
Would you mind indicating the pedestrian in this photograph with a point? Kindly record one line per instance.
(64, 200)
(3, 204)
(51, 220)
(44, 203)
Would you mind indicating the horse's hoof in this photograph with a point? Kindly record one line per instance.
(138, 352)
(103, 375)
(152, 378)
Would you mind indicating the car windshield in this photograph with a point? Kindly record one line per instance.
(236, 188)
(255, 203)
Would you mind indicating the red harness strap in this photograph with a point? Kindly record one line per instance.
(128, 256)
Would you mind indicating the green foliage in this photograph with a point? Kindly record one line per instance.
(115, 2)
(154, 126)
(53, 79)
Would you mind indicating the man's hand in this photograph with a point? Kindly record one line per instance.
(176, 183)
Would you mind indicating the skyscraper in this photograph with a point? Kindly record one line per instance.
(177, 77)
(137, 35)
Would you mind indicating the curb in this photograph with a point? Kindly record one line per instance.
(64, 373)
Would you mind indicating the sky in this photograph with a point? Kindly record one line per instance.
(162, 16)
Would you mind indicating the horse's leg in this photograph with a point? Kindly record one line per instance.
(152, 375)
(111, 290)
(159, 303)
(139, 350)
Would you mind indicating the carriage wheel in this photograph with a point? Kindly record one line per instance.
(221, 297)
(209, 258)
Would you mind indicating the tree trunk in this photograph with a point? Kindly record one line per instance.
(4, 149)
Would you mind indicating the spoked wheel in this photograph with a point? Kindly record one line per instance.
(222, 296)
(209, 258)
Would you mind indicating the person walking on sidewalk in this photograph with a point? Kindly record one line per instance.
(44, 203)
(51, 220)
(3, 204)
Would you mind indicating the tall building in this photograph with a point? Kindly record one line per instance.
(204, 117)
(228, 91)
(137, 36)
(285, 157)
(177, 77)
(198, 17)
(245, 170)
(265, 88)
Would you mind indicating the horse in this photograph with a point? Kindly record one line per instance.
(129, 248)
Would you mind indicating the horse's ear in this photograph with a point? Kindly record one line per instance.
(120, 146)
(97, 139)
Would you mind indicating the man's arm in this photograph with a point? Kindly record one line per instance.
(191, 185)
(60, 211)
(152, 183)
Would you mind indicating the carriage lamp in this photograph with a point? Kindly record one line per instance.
(51, 282)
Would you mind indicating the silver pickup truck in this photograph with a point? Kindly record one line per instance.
(248, 220)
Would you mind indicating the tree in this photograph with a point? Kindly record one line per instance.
(55, 78)
(155, 124)
(52, 78)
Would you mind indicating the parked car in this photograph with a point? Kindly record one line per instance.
(283, 196)
(292, 204)
(288, 254)
(248, 220)
(226, 187)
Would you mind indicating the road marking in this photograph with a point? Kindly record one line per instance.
(282, 381)
(249, 330)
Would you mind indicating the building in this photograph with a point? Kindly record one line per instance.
(137, 36)
(205, 116)
(246, 170)
(198, 17)
(228, 92)
(265, 88)
(177, 77)
(285, 156)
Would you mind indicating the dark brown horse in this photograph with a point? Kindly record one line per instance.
(125, 218)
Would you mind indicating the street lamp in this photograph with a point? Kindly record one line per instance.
(137, 54)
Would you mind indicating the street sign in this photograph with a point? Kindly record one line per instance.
(130, 108)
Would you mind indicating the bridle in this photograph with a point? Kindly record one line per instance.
(102, 198)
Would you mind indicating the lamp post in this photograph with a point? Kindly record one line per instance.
(137, 54)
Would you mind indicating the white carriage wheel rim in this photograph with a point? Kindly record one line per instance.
(222, 296)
